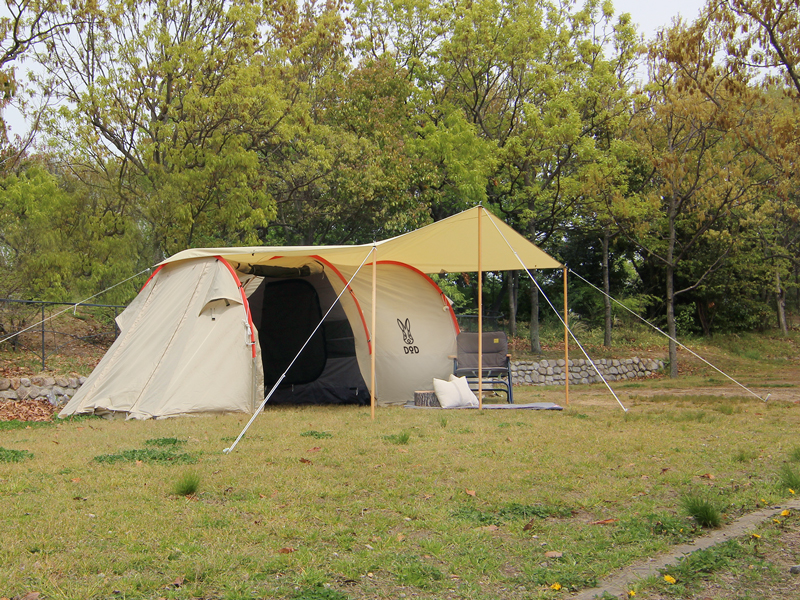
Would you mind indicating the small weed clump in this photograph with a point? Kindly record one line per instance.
(152, 455)
(794, 454)
(319, 593)
(8, 456)
(187, 484)
(744, 456)
(702, 510)
(170, 442)
(788, 478)
(317, 435)
(400, 439)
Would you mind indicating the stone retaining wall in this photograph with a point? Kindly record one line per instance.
(544, 372)
(54, 389)
(551, 372)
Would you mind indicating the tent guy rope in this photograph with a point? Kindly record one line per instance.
(299, 352)
(560, 318)
(75, 306)
(689, 350)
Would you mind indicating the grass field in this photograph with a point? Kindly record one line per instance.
(326, 504)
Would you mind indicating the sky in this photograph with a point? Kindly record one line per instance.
(651, 15)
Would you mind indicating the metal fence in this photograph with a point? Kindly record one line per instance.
(26, 324)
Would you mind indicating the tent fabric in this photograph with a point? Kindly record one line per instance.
(184, 348)
(191, 341)
(448, 246)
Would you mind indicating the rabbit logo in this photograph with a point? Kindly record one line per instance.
(408, 339)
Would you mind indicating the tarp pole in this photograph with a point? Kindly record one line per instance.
(566, 340)
(372, 329)
(480, 313)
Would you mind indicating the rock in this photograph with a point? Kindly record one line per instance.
(795, 570)
(4, 384)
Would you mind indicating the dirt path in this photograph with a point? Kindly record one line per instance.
(618, 584)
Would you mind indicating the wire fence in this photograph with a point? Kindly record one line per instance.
(26, 325)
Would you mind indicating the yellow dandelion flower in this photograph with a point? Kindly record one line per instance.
(791, 491)
(631, 593)
(756, 536)
(775, 521)
(785, 513)
(764, 501)
(556, 586)
(670, 579)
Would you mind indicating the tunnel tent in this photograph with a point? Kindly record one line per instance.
(211, 323)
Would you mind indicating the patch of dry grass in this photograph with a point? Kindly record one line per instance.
(466, 510)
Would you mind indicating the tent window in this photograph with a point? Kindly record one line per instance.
(290, 312)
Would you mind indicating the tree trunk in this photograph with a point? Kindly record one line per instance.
(607, 290)
(671, 328)
(536, 345)
(780, 297)
(513, 287)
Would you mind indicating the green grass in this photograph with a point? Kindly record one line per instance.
(462, 511)
(704, 512)
(13, 456)
(187, 484)
(789, 478)
(400, 439)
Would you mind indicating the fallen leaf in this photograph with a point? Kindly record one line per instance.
(138, 462)
(262, 496)
(400, 537)
(31, 596)
(707, 476)
(489, 528)
(305, 461)
(402, 450)
(471, 493)
(75, 479)
(553, 554)
(287, 550)
(315, 449)
(177, 583)
(529, 525)
(605, 522)
(664, 470)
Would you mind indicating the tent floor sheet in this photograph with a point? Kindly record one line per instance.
(529, 406)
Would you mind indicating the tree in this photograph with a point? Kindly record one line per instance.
(167, 104)
(689, 124)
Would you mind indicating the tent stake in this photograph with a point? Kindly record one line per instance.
(566, 341)
(480, 314)
(372, 333)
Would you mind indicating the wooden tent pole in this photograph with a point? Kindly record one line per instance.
(566, 340)
(372, 329)
(480, 313)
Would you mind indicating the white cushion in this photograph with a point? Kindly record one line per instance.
(447, 393)
(468, 397)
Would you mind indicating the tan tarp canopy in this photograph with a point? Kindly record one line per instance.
(449, 245)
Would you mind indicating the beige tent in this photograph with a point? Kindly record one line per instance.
(214, 329)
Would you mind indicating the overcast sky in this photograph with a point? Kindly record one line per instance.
(651, 15)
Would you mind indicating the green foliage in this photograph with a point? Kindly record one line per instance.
(9, 455)
(794, 454)
(704, 512)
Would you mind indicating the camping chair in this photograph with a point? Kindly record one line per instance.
(496, 364)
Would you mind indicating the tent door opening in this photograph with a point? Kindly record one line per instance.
(326, 371)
